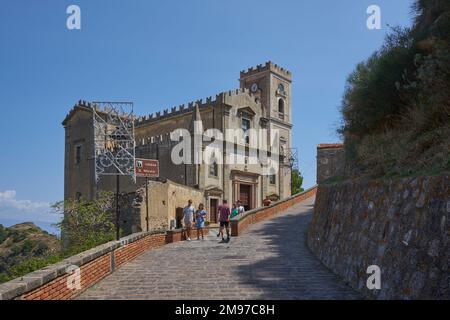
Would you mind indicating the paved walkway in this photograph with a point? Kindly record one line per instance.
(269, 261)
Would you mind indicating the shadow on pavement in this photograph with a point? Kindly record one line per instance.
(291, 271)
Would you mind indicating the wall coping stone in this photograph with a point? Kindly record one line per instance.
(11, 289)
(175, 230)
(245, 214)
(137, 236)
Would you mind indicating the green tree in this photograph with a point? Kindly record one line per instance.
(41, 248)
(27, 246)
(297, 181)
(86, 224)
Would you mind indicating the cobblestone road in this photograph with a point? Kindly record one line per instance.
(269, 261)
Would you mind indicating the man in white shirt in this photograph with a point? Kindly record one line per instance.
(188, 216)
(240, 208)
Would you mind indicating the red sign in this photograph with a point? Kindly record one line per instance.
(147, 168)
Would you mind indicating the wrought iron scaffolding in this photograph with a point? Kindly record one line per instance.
(114, 144)
(292, 158)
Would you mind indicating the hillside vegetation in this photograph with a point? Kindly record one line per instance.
(86, 224)
(396, 105)
(24, 243)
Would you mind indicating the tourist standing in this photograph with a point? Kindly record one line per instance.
(234, 211)
(224, 219)
(240, 208)
(200, 216)
(188, 216)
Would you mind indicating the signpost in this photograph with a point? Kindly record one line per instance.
(146, 168)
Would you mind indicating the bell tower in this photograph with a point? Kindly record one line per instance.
(271, 84)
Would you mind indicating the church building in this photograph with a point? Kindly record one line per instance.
(262, 101)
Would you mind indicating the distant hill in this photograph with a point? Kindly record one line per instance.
(44, 225)
(24, 242)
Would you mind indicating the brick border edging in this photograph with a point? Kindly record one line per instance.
(50, 283)
(242, 221)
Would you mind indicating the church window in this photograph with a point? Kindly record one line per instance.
(213, 168)
(281, 108)
(245, 128)
(77, 154)
(272, 177)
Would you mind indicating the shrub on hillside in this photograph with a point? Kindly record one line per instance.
(396, 106)
(372, 101)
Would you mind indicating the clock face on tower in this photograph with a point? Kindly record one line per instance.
(254, 87)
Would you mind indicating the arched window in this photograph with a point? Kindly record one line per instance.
(213, 168)
(281, 109)
(281, 106)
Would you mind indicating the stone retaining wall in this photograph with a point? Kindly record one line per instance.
(401, 225)
(58, 281)
(242, 221)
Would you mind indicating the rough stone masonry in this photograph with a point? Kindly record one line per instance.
(401, 225)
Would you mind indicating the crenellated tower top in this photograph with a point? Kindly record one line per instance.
(268, 66)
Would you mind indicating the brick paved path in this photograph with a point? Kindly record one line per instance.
(269, 261)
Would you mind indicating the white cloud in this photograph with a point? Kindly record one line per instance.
(8, 199)
(26, 210)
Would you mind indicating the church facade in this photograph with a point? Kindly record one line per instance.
(261, 104)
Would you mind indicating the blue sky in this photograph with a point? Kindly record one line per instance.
(159, 54)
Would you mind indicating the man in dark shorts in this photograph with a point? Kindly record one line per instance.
(224, 219)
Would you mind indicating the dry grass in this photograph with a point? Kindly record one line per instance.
(404, 151)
